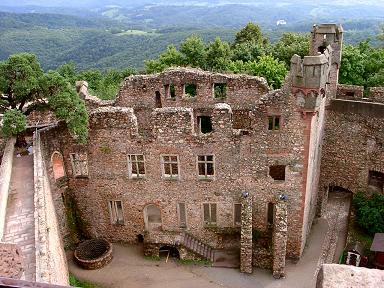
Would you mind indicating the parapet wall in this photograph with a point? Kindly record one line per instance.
(51, 264)
(5, 179)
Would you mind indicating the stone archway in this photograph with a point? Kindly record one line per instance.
(57, 165)
(152, 218)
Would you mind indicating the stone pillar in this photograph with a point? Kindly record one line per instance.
(246, 234)
(279, 240)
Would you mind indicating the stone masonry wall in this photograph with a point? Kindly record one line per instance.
(5, 179)
(353, 145)
(51, 264)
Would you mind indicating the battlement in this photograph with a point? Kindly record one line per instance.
(311, 72)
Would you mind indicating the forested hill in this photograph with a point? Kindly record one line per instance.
(118, 38)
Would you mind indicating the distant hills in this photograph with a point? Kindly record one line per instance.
(95, 34)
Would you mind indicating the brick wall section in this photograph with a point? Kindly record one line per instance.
(376, 94)
(51, 265)
(5, 179)
(13, 283)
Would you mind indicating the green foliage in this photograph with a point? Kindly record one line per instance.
(194, 51)
(14, 122)
(152, 258)
(200, 262)
(218, 55)
(370, 212)
(251, 33)
(290, 44)
(74, 282)
(22, 82)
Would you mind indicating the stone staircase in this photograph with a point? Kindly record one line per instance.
(195, 245)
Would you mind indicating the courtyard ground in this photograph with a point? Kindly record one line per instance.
(130, 269)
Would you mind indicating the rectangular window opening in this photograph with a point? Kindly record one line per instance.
(273, 122)
(79, 164)
(237, 214)
(190, 90)
(116, 212)
(220, 90)
(170, 91)
(350, 94)
(205, 124)
(205, 166)
(277, 172)
(170, 164)
(182, 215)
(136, 167)
(210, 214)
(376, 181)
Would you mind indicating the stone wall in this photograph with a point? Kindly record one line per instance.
(11, 264)
(7, 282)
(347, 276)
(350, 92)
(376, 94)
(51, 265)
(353, 145)
(5, 179)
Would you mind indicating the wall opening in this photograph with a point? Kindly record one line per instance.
(277, 172)
(57, 165)
(152, 218)
(273, 122)
(220, 90)
(140, 238)
(205, 124)
(322, 49)
(169, 251)
(158, 100)
(170, 91)
(190, 90)
(350, 94)
(375, 181)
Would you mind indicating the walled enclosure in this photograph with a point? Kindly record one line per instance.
(250, 132)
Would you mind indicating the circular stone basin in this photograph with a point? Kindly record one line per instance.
(94, 253)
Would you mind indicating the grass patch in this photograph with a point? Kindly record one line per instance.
(152, 258)
(194, 262)
(74, 282)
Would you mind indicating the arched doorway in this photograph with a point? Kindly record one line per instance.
(169, 251)
(57, 165)
(152, 218)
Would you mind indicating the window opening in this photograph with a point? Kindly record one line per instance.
(190, 90)
(277, 172)
(220, 90)
(116, 212)
(273, 122)
(136, 165)
(205, 124)
(210, 210)
(170, 165)
(205, 165)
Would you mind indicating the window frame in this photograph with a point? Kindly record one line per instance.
(132, 175)
(210, 223)
(170, 162)
(199, 126)
(274, 117)
(74, 157)
(236, 224)
(205, 162)
(114, 213)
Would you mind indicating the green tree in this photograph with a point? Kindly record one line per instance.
(370, 212)
(24, 87)
(290, 44)
(353, 64)
(247, 51)
(171, 57)
(194, 52)
(273, 70)
(218, 55)
(251, 33)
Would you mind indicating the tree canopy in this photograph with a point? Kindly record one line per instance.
(24, 87)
